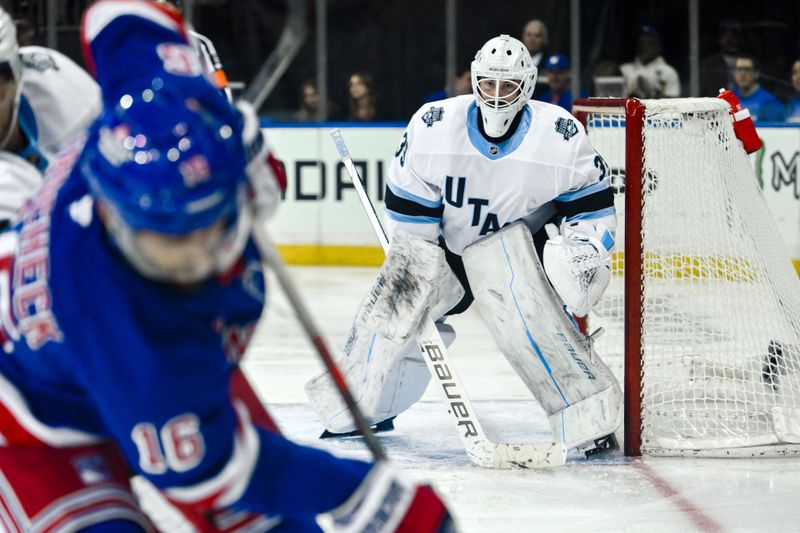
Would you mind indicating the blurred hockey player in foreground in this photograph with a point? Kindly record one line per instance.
(129, 291)
(45, 99)
(487, 193)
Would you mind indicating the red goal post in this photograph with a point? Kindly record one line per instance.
(634, 112)
(704, 324)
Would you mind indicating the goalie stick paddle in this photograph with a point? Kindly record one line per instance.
(479, 448)
(270, 255)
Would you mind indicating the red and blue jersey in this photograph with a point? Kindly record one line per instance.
(98, 352)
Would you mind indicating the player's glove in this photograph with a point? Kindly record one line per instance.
(388, 502)
(578, 263)
(266, 174)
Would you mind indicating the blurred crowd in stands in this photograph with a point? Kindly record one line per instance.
(646, 75)
(771, 96)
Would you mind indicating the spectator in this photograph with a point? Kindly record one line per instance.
(308, 105)
(763, 105)
(534, 37)
(461, 85)
(793, 109)
(309, 102)
(648, 75)
(557, 67)
(361, 97)
(716, 70)
(26, 32)
(608, 80)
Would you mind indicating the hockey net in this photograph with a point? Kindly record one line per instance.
(702, 318)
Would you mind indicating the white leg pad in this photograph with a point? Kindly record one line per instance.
(589, 419)
(414, 282)
(385, 377)
(543, 345)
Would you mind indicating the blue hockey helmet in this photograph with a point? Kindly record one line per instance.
(170, 161)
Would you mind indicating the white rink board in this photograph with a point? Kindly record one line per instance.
(321, 208)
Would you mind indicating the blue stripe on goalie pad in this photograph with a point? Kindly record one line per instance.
(526, 319)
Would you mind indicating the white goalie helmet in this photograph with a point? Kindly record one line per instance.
(9, 49)
(11, 64)
(503, 78)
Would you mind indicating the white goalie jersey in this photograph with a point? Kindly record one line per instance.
(448, 180)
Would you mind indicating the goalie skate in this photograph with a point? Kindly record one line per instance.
(381, 427)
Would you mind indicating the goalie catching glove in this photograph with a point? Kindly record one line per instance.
(578, 263)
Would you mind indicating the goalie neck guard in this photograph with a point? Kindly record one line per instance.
(503, 78)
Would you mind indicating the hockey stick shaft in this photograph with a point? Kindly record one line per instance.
(355, 177)
(270, 255)
(479, 448)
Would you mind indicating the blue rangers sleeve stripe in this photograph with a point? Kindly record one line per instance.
(407, 210)
(592, 201)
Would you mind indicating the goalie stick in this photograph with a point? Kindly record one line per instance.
(479, 448)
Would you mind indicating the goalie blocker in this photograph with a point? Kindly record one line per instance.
(576, 389)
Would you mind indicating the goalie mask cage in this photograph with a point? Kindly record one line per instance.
(705, 320)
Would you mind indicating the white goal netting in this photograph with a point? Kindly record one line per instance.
(720, 300)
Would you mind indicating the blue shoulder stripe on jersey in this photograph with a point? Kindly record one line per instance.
(410, 208)
(413, 197)
(608, 211)
(27, 121)
(411, 219)
(580, 193)
(504, 148)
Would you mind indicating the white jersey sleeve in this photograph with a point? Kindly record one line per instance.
(413, 202)
(58, 100)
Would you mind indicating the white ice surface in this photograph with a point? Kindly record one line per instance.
(608, 494)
